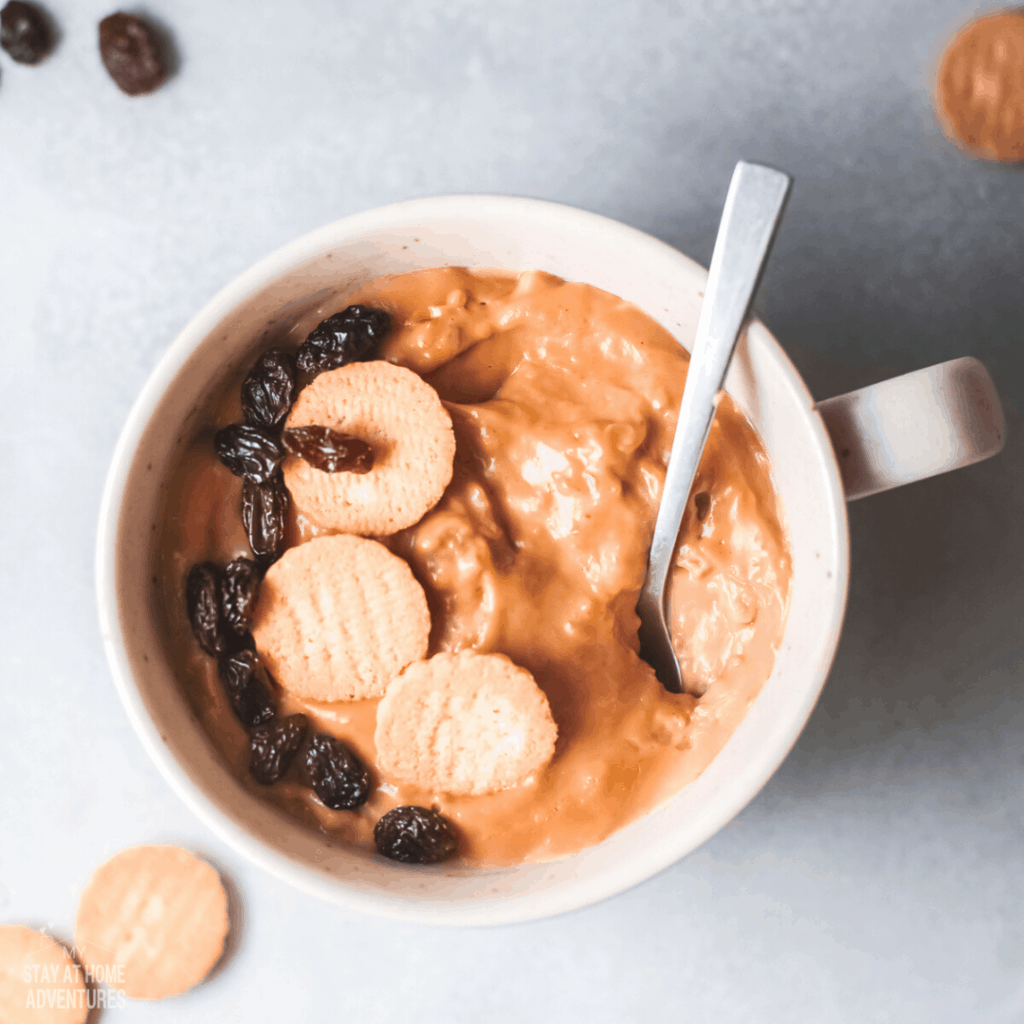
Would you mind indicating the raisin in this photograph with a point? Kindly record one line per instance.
(238, 591)
(269, 389)
(131, 54)
(329, 450)
(263, 516)
(248, 451)
(347, 337)
(251, 700)
(335, 773)
(25, 32)
(415, 835)
(272, 747)
(203, 597)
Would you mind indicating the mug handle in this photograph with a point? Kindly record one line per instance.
(915, 426)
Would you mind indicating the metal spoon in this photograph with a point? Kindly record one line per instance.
(750, 217)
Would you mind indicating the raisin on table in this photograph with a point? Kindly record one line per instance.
(346, 337)
(272, 747)
(250, 452)
(203, 598)
(263, 516)
(25, 32)
(415, 835)
(251, 700)
(131, 54)
(269, 389)
(329, 450)
(240, 586)
(337, 776)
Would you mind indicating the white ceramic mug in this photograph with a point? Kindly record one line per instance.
(894, 432)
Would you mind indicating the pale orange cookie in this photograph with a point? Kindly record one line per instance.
(980, 94)
(411, 433)
(464, 723)
(339, 617)
(39, 981)
(156, 916)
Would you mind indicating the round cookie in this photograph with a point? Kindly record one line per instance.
(159, 912)
(339, 617)
(980, 86)
(40, 983)
(464, 723)
(403, 418)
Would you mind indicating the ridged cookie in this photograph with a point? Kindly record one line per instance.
(464, 723)
(402, 417)
(39, 981)
(339, 617)
(159, 912)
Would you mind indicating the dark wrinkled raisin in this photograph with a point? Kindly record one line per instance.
(251, 699)
(25, 32)
(238, 591)
(329, 450)
(703, 503)
(269, 389)
(248, 451)
(347, 337)
(202, 595)
(131, 54)
(263, 516)
(335, 773)
(415, 835)
(273, 746)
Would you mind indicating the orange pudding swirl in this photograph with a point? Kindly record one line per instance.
(564, 401)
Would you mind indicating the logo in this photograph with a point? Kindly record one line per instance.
(68, 986)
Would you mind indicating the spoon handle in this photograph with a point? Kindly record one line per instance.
(750, 217)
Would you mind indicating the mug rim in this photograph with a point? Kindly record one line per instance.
(244, 287)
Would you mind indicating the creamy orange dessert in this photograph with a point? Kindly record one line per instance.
(562, 401)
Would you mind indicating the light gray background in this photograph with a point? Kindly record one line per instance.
(879, 876)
